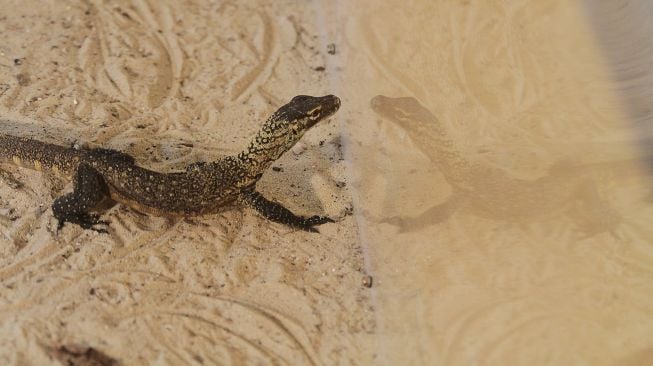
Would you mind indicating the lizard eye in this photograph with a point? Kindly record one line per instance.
(315, 113)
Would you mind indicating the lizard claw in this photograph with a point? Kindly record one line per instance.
(89, 221)
(60, 225)
(86, 221)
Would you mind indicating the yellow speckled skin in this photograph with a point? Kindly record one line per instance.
(203, 188)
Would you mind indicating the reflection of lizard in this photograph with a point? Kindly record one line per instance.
(203, 188)
(485, 190)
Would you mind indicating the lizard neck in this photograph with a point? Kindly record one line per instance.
(281, 131)
(272, 141)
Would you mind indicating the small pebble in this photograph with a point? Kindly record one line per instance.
(367, 281)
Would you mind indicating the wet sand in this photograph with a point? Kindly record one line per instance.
(501, 201)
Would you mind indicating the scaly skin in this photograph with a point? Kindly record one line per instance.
(203, 188)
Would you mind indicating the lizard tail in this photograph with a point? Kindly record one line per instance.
(34, 154)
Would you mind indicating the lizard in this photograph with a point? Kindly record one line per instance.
(488, 191)
(201, 188)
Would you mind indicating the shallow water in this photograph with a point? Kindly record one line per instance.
(500, 164)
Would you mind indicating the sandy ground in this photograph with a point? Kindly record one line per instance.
(501, 207)
(172, 83)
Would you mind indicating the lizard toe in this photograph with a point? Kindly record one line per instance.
(60, 224)
(90, 221)
(310, 229)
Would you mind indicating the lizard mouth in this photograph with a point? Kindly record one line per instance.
(330, 105)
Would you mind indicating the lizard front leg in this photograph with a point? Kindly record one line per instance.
(276, 212)
(89, 189)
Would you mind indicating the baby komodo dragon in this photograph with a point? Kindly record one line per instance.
(203, 188)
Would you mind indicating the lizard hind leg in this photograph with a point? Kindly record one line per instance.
(89, 189)
(276, 212)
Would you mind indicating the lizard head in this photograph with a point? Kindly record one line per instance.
(415, 119)
(405, 111)
(304, 111)
(289, 123)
